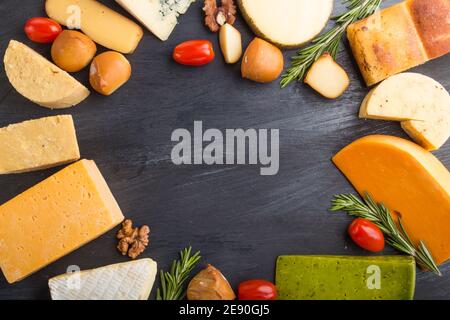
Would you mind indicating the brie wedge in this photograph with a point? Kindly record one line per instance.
(123, 281)
(159, 16)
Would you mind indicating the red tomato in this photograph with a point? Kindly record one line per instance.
(42, 30)
(257, 290)
(194, 52)
(366, 235)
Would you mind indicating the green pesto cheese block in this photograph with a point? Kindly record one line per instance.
(345, 278)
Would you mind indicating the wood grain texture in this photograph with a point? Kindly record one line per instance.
(240, 220)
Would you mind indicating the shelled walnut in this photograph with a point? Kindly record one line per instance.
(215, 17)
(132, 241)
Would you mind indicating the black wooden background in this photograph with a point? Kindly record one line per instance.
(240, 221)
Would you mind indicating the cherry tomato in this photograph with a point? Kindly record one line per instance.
(194, 52)
(257, 290)
(366, 235)
(42, 30)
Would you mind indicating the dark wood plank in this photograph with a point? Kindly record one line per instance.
(240, 220)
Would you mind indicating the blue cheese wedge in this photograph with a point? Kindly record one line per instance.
(123, 281)
(159, 16)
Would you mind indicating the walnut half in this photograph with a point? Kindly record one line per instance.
(218, 16)
(132, 241)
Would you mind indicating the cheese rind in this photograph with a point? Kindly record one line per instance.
(160, 17)
(39, 80)
(55, 217)
(100, 23)
(38, 144)
(131, 280)
(409, 180)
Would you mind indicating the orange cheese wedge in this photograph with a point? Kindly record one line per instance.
(409, 180)
(55, 217)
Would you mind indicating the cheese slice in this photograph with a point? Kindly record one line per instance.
(410, 181)
(406, 96)
(100, 23)
(55, 217)
(421, 102)
(38, 144)
(158, 16)
(39, 80)
(123, 281)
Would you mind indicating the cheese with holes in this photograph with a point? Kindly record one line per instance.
(100, 23)
(55, 217)
(39, 80)
(159, 16)
(38, 144)
(123, 281)
(409, 180)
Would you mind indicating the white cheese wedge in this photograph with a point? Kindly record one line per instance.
(159, 16)
(123, 281)
(39, 80)
(419, 102)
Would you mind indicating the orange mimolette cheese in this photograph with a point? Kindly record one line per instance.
(55, 217)
(409, 180)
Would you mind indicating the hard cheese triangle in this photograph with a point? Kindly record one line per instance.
(124, 281)
(55, 217)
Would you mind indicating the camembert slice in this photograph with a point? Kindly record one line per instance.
(123, 281)
(39, 80)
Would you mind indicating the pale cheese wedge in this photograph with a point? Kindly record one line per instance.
(158, 16)
(419, 102)
(327, 77)
(39, 80)
(123, 281)
(406, 96)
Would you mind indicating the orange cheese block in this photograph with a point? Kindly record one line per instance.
(409, 180)
(55, 217)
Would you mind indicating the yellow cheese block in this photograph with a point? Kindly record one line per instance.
(55, 217)
(38, 144)
(409, 180)
(39, 80)
(103, 25)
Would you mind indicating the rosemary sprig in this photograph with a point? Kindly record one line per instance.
(396, 235)
(172, 283)
(330, 40)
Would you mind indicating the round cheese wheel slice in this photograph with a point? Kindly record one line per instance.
(287, 23)
(39, 80)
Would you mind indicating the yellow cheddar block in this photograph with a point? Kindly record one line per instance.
(38, 144)
(409, 180)
(100, 23)
(55, 217)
